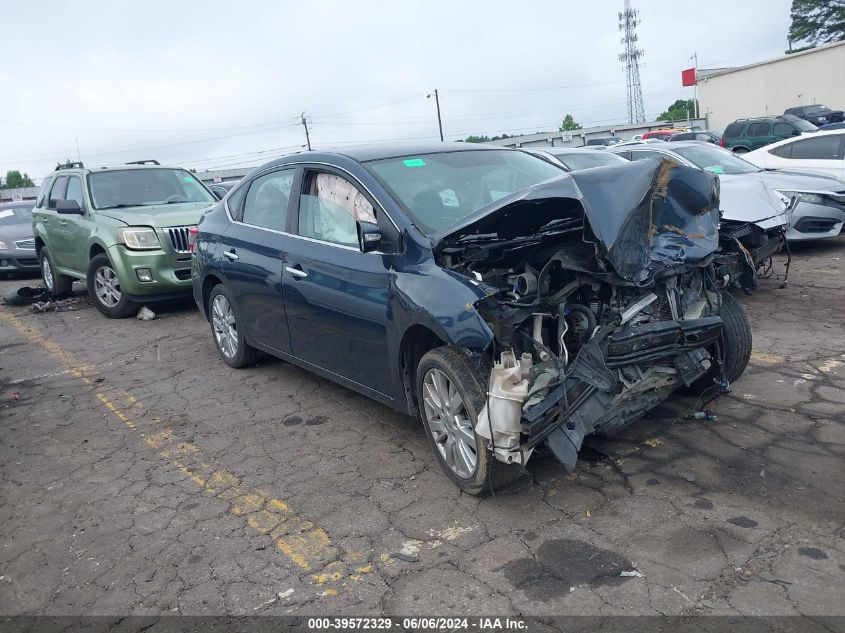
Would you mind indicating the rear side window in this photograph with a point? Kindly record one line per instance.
(758, 129)
(818, 148)
(42, 193)
(235, 201)
(57, 192)
(641, 155)
(266, 203)
(733, 130)
(783, 129)
(784, 151)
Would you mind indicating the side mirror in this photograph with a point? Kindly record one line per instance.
(369, 236)
(68, 207)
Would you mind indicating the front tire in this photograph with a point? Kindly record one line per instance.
(736, 345)
(104, 289)
(451, 392)
(225, 331)
(54, 281)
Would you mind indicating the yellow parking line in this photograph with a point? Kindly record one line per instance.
(764, 357)
(307, 545)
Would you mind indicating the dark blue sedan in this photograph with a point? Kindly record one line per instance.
(430, 278)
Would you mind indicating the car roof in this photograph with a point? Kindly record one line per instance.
(111, 168)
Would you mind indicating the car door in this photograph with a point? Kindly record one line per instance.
(758, 134)
(52, 222)
(336, 296)
(70, 237)
(253, 250)
(823, 153)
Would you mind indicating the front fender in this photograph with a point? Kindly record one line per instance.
(444, 302)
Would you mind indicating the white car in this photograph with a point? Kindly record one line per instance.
(821, 152)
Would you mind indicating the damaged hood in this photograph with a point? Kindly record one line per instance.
(641, 216)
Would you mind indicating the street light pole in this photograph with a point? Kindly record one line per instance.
(437, 101)
(695, 85)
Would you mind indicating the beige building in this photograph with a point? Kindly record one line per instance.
(770, 87)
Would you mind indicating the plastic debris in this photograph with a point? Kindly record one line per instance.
(633, 573)
(145, 314)
(16, 396)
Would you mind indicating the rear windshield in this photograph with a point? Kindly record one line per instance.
(438, 190)
(585, 160)
(118, 188)
(15, 215)
(716, 160)
(816, 109)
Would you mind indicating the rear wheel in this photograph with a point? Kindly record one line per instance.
(228, 336)
(54, 281)
(740, 150)
(451, 393)
(104, 289)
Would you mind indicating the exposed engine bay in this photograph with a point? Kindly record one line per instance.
(599, 311)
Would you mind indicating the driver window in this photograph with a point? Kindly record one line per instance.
(74, 191)
(330, 207)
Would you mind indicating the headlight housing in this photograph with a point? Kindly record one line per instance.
(139, 238)
(804, 196)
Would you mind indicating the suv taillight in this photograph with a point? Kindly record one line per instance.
(192, 237)
(722, 142)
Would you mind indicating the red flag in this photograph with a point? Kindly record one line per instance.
(688, 77)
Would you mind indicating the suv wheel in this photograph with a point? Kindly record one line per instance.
(451, 392)
(740, 150)
(228, 336)
(104, 289)
(54, 281)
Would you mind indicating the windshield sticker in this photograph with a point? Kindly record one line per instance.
(414, 162)
(187, 179)
(6, 213)
(715, 169)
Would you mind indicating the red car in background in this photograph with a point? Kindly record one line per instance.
(663, 135)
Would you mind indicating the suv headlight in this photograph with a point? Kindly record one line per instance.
(139, 238)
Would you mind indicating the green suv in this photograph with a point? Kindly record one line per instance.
(745, 135)
(125, 230)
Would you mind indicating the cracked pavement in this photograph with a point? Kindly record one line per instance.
(140, 475)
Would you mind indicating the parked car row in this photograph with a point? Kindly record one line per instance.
(508, 303)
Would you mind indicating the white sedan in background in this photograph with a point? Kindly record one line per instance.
(821, 152)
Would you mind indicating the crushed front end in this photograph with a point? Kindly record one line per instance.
(603, 299)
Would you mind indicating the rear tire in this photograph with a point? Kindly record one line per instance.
(54, 281)
(104, 289)
(228, 337)
(740, 150)
(474, 469)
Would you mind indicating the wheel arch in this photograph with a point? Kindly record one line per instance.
(208, 283)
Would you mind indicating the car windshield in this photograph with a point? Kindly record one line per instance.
(586, 160)
(438, 190)
(117, 188)
(816, 109)
(804, 126)
(15, 215)
(716, 160)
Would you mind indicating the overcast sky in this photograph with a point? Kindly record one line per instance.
(216, 84)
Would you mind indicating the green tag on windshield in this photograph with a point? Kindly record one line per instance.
(187, 179)
(414, 162)
(715, 169)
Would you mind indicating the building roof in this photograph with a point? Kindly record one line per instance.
(705, 74)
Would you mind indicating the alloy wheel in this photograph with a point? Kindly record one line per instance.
(107, 286)
(449, 423)
(47, 274)
(225, 328)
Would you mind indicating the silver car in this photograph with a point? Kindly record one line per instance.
(575, 158)
(751, 194)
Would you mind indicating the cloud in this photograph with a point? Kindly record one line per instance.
(208, 84)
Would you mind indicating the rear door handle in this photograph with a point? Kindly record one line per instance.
(231, 255)
(296, 272)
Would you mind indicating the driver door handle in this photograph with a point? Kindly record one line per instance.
(296, 272)
(231, 255)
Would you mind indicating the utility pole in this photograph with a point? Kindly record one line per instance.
(695, 85)
(437, 101)
(305, 125)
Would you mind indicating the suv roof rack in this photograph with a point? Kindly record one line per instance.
(144, 162)
(70, 165)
